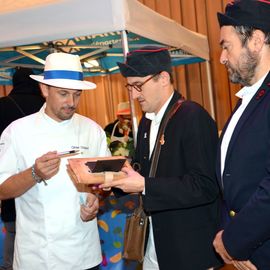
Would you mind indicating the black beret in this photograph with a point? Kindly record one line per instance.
(148, 60)
(252, 13)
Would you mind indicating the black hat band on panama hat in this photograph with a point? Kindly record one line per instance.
(148, 60)
(252, 13)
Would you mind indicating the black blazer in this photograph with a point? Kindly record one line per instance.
(246, 182)
(183, 197)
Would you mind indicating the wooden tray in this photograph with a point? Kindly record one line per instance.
(96, 170)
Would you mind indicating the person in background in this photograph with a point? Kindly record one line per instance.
(119, 133)
(56, 225)
(243, 166)
(113, 211)
(182, 199)
(25, 98)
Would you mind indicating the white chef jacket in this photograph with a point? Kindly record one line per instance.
(50, 234)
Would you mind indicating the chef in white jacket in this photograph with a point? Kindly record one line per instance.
(56, 224)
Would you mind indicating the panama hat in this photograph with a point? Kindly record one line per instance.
(123, 108)
(63, 70)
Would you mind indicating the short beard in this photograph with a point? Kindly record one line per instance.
(64, 117)
(245, 70)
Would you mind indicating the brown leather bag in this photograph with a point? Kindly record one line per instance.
(134, 236)
(137, 222)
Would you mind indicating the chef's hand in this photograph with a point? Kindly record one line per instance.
(47, 165)
(89, 210)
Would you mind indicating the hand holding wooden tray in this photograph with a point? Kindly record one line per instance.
(96, 170)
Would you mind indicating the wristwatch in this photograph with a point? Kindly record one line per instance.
(37, 178)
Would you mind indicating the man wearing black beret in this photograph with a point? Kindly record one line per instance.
(243, 166)
(182, 196)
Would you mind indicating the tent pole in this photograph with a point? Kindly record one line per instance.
(210, 90)
(131, 102)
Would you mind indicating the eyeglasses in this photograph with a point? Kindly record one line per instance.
(138, 86)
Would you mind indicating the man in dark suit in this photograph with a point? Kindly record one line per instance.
(182, 198)
(25, 98)
(243, 166)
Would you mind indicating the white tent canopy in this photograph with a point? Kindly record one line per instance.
(34, 21)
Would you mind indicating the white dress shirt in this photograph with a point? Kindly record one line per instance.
(150, 259)
(246, 94)
(50, 234)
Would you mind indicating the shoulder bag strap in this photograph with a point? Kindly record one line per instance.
(160, 136)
